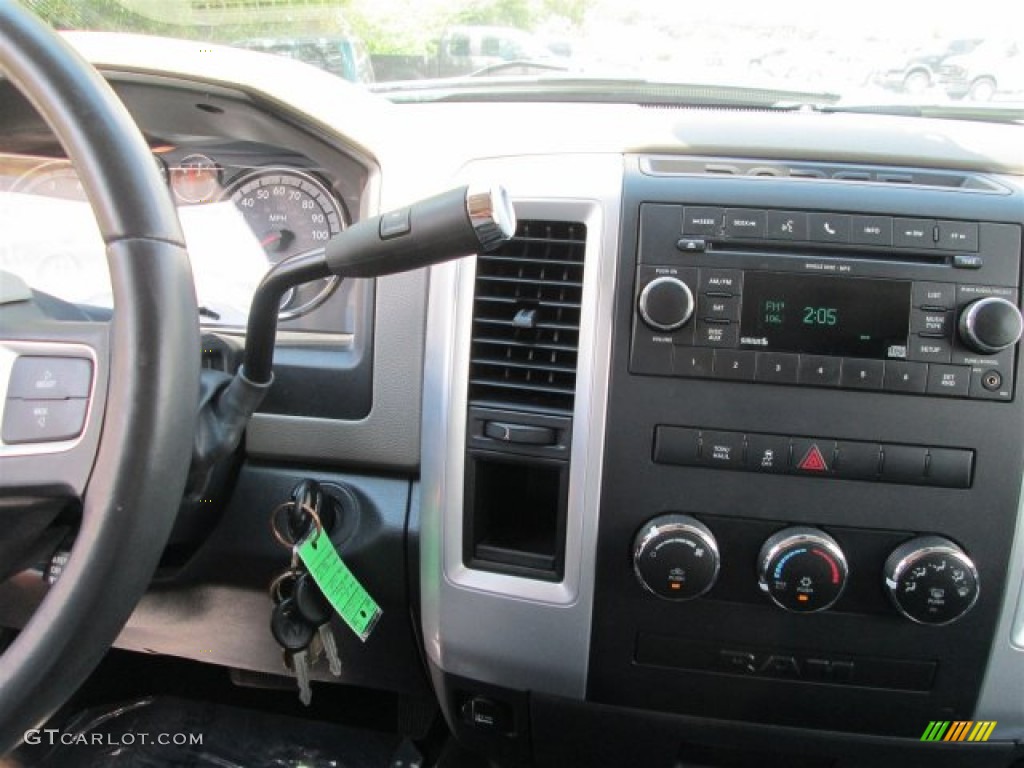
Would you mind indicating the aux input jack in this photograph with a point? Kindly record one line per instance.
(991, 380)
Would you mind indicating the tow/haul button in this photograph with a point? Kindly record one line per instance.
(802, 569)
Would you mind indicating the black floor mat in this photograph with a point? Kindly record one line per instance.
(167, 732)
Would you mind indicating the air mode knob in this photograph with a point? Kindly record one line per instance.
(931, 580)
(802, 569)
(676, 557)
(666, 303)
(991, 324)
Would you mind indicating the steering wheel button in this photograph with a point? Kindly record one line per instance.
(50, 378)
(43, 421)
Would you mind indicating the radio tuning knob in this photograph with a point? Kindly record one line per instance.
(676, 557)
(666, 303)
(990, 324)
(931, 580)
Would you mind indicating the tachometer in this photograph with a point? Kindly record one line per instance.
(290, 211)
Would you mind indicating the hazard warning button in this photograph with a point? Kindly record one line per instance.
(813, 457)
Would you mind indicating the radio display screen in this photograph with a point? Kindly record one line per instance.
(825, 315)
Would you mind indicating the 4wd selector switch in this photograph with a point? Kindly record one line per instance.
(931, 580)
(666, 303)
(676, 557)
(991, 324)
(802, 569)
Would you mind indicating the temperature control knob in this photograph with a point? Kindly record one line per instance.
(991, 324)
(676, 557)
(666, 303)
(802, 569)
(931, 580)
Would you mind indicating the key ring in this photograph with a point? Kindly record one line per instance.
(282, 534)
(276, 593)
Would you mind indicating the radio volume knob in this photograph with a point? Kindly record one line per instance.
(931, 580)
(991, 324)
(666, 303)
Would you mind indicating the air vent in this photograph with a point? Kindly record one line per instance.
(526, 319)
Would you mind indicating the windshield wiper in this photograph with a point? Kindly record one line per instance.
(551, 88)
(1002, 113)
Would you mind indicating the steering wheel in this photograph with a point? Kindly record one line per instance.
(128, 466)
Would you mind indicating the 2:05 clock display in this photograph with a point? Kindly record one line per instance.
(842, 316)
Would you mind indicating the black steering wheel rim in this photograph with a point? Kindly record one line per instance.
(142, 459)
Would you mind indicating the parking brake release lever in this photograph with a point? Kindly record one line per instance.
(454, 224)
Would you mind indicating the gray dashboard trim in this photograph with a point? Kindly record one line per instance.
(390, 434)
(475, 623)
(1002, 692)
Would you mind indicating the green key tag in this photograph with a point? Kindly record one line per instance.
(352, 602)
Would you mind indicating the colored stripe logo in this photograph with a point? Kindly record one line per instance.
(959, 730)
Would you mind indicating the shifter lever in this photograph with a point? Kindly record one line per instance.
(451, 225)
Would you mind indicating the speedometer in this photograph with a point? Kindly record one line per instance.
(289, 212)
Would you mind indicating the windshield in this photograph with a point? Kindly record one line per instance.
(867, 52)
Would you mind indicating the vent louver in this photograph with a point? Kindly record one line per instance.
(526, 318)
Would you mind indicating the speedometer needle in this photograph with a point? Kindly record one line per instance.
(277, 240)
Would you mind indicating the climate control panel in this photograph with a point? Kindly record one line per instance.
(803, 569)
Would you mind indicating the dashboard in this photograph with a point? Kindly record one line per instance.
(723, 447)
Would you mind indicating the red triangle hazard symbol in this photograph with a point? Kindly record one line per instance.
(813, 461)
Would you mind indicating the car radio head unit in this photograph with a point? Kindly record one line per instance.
(912, 306)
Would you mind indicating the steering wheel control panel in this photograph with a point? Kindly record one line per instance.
(46, 398)
(808, 504)
(855, 319)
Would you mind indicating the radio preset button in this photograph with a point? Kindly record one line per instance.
(776, 367)
(905, 377)
(719, 308)
(913, 233)
(721, 282)
(702, 221)
(730, 364)
(744, 222)
(927, 322)
(862, 374)
(711, 333)
(695, 362)
(871, 230)
(949, 380)
(829, 227)
(819, 370)
(786, 225)
(934, 295)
